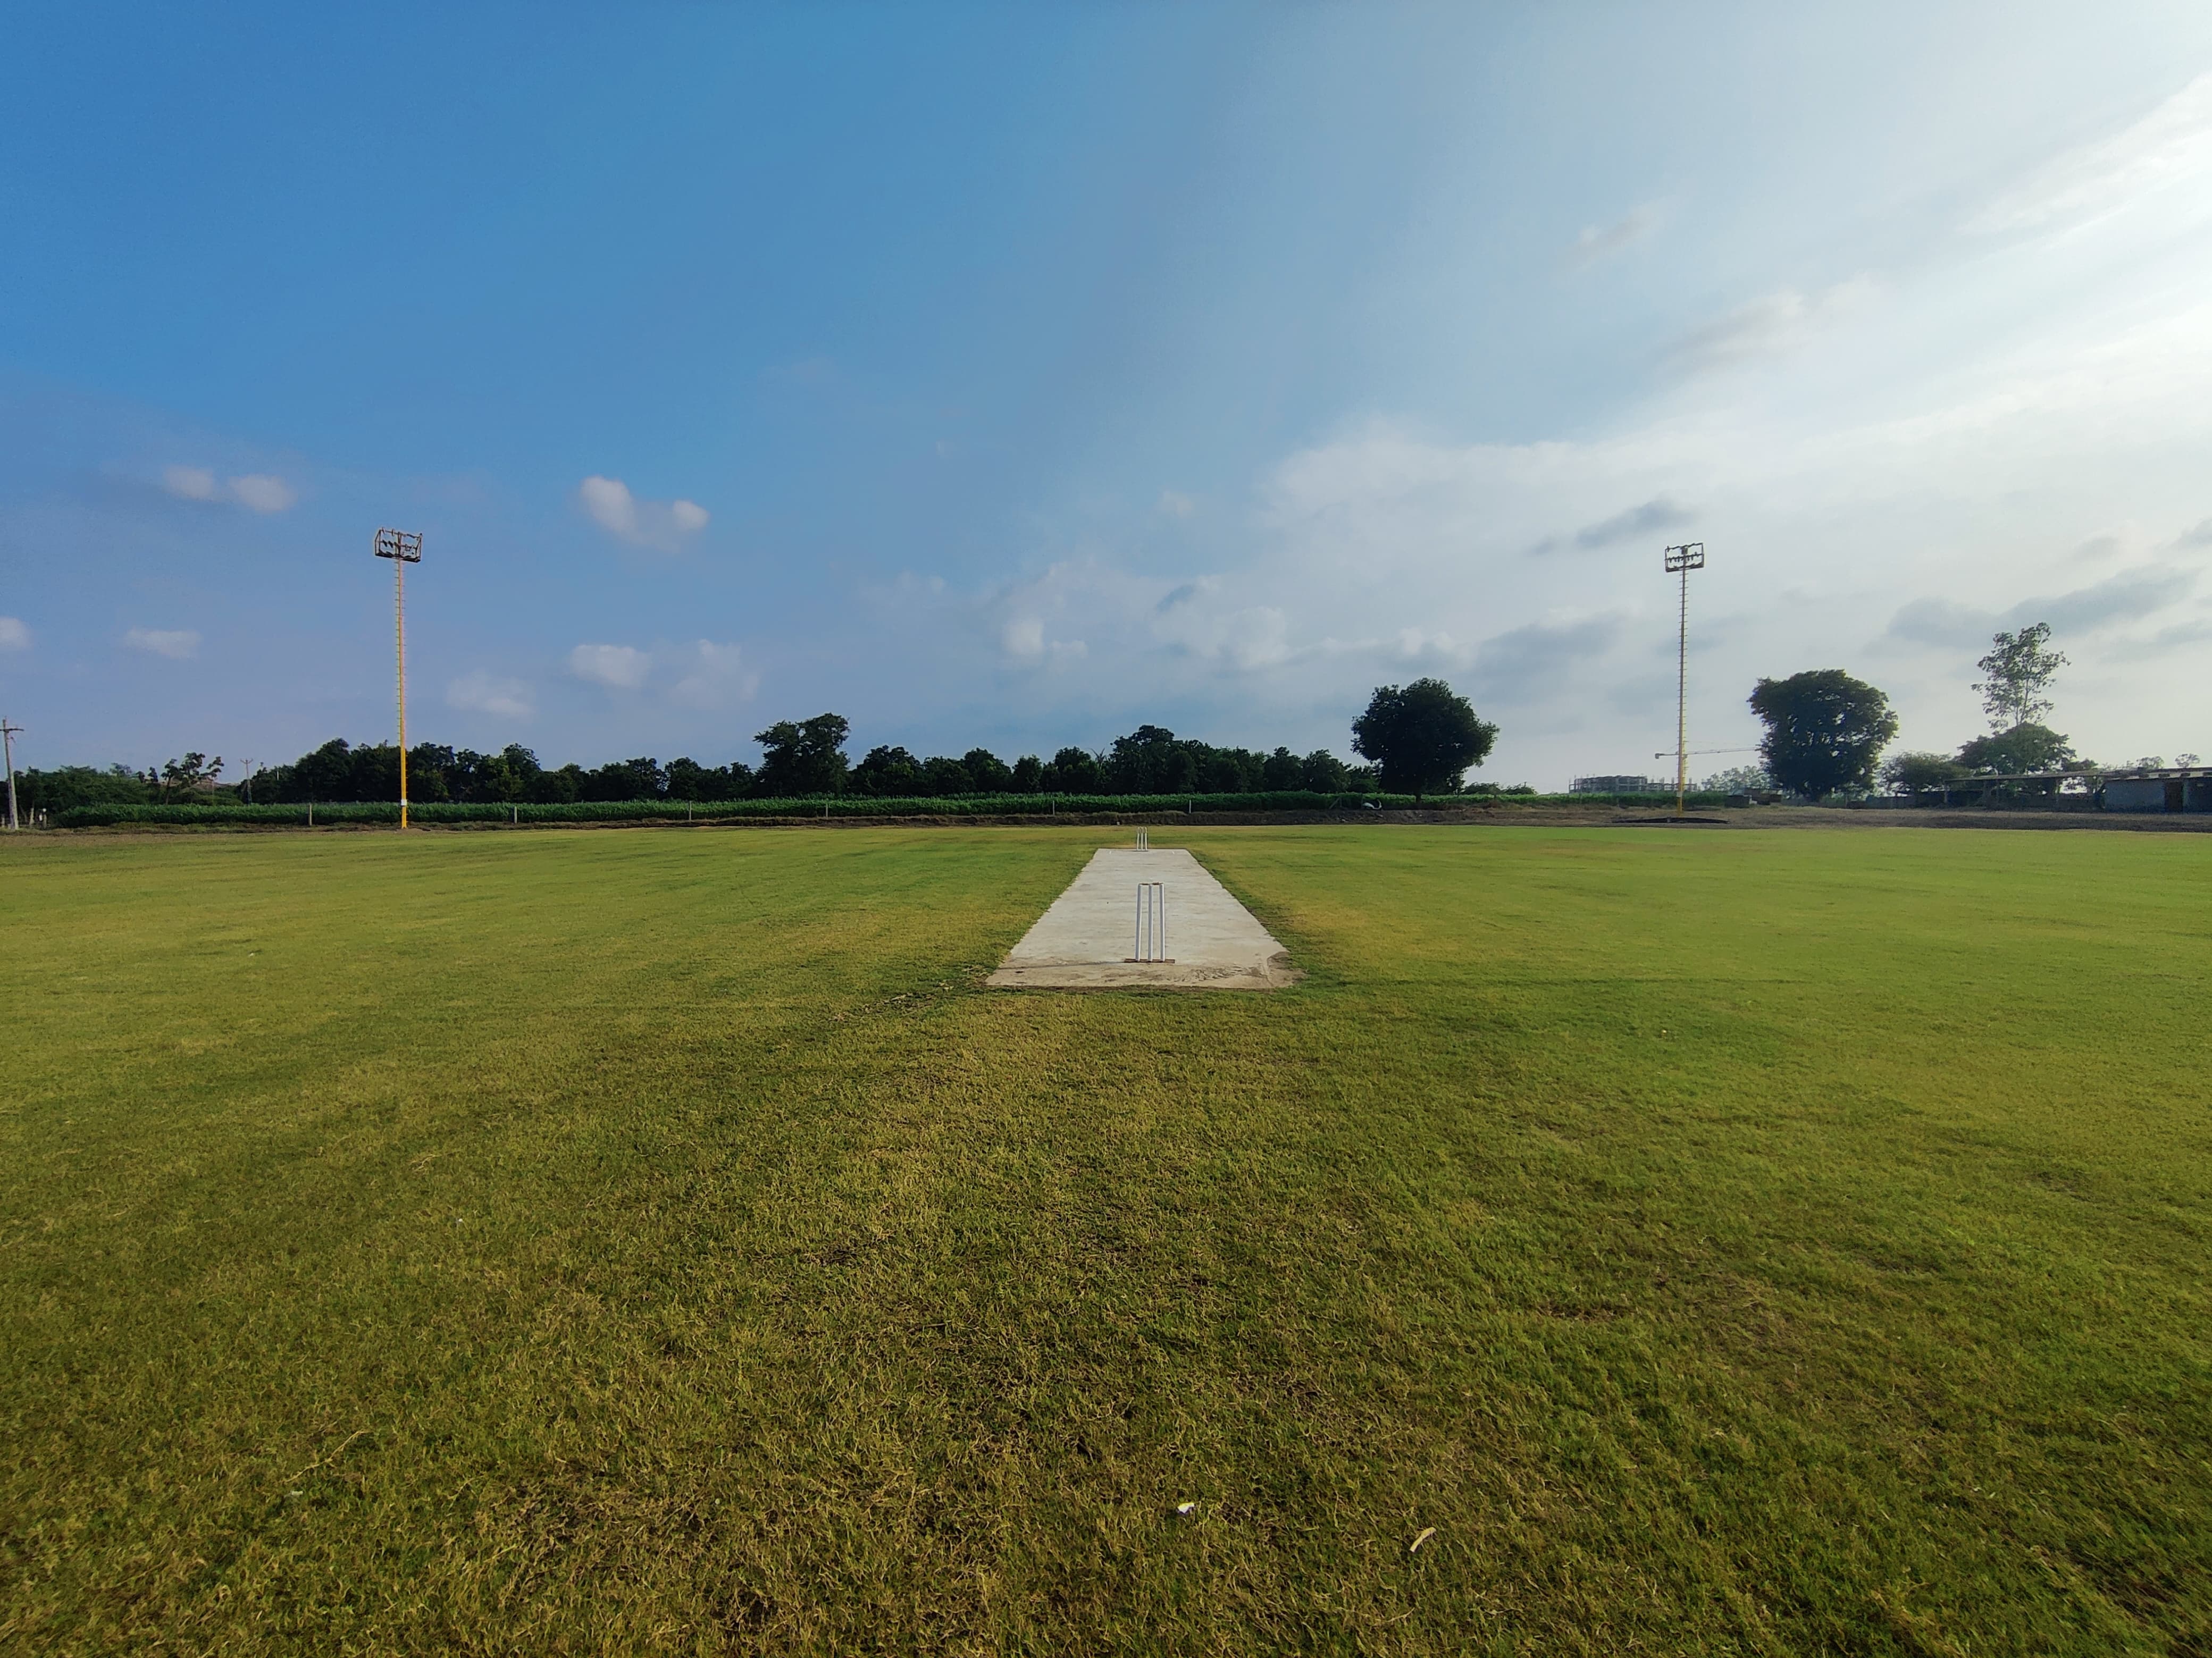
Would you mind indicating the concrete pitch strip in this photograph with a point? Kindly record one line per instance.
(1088, 938)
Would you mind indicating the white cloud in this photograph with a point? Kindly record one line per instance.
(484, 693)
(263, 492)
(1257, 637)
(610, 505)
(1420, 645)
(661, 524)
(14, 635)
(618, 667)
(1024, 638)
(175, 643)
(707, 674)
(191, 483)
(2172, 146)
(1176, 504)
(258, 492)
(701, 674)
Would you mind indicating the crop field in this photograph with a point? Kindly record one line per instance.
(656, 1240)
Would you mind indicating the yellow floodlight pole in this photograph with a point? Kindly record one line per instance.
(1691, 555)
(403, 548)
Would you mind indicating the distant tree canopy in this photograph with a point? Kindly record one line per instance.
(803, 759)
(1151, 760)
(1423, 737)
(1825, 731)
(2018, 672)
(1918, 774)
(65, 786)
(178, 779)
(1737, 780)
(2024, 748)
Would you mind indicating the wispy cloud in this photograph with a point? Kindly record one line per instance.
(14, 635)
(1654, 516)
(2171, 145)
(190, 483)
(664, 525)
(258, 492)
(2128, 596)
(1601, 241)
(484, 693)
(1940, 622)
(1771, 324)
(1535, 662)
(1173, 503)
(1181, 595)
(707, 674)
(263, 492)
(178, 644)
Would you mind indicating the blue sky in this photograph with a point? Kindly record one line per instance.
(1016, 374)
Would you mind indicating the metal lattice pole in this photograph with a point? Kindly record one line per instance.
(1691, 555)
(403, 548)
(400, 654)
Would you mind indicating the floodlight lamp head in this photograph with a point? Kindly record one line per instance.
(1690, 556)
(404, 546)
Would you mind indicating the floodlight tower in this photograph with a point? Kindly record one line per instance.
(8, 735)
(403, 548)
(1690, 556)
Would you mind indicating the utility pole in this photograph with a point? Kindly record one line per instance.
(403, 548)
(7, 736)
(1690, 556)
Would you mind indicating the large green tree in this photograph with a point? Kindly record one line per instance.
(803, 757)
(987, 772)
(1075, 771)
(887, 769)
(2019, 670)
(1825, 731)
(2022, 748)
(1423, 736)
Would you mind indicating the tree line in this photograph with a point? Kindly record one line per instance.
(1826, 730)
(1418, 739)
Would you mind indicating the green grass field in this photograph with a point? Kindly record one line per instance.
(655, 1241)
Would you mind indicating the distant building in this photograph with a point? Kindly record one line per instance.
(2158, 788)
(1619, 786)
